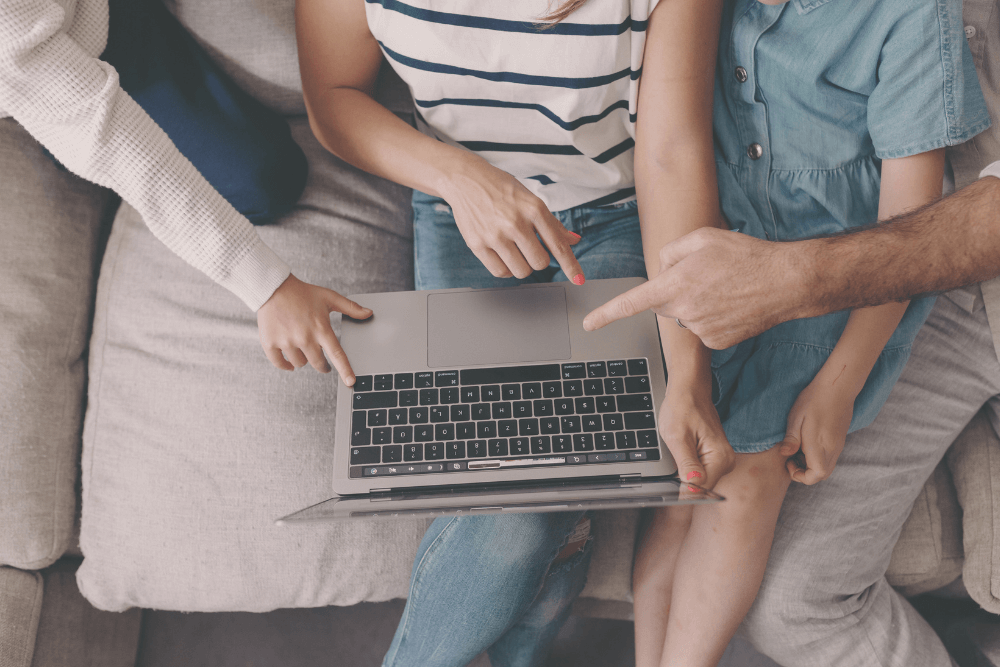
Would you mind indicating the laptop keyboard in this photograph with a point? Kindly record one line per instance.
(498, 418)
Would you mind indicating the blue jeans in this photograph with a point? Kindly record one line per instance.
(489, 582)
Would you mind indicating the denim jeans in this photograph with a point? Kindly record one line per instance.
(488, 582)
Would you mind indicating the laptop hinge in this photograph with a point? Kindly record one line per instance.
(631, 479)
(379, 494)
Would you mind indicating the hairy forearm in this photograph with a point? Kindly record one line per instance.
(949, 243)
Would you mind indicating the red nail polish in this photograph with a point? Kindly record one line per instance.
(692, 489)
(693, 473)
(575, 234)
(578, 279)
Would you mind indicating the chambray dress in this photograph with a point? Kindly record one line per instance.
(810, 97)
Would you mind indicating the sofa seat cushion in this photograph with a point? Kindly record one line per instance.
(51, 223)
(20, 608)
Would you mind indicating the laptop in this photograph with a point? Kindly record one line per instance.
(496, 400)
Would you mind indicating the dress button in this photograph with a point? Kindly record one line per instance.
(970, 31)
(741, 74)
(754, 151)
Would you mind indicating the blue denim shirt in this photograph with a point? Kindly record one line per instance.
(812, 94)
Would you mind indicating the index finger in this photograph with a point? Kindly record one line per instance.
(553, 235)
(632, 302)
(337, 356)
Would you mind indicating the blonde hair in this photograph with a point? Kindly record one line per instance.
(564, 10)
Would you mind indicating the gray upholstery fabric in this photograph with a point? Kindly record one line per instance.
(50, 222)
(71, 633)
(20, 606)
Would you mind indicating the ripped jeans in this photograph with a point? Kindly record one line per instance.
(488, 582)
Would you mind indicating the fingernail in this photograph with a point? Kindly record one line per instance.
(693, 473)
(578, 279)
(575, 234)
(692, 489)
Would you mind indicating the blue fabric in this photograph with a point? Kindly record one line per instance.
(243, 149)
(832, 87)
(610, 247)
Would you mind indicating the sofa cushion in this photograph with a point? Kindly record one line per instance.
(50, 223)
(20, 607)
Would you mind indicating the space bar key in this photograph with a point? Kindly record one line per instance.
(504, 374)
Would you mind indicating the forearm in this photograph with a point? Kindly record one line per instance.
(865, 336)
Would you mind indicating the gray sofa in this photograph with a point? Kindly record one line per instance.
(147, 445)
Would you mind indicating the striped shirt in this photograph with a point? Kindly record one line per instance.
(555, 107)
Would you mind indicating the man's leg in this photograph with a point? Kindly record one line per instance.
(825, 599)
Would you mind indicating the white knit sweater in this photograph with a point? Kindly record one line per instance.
(53, 84)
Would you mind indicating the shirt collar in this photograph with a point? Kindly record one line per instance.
(806, 6)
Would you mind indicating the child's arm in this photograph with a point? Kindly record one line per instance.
(821, 416)
(677, 192)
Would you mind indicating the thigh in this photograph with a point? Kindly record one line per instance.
(610, 244)
(834, 539)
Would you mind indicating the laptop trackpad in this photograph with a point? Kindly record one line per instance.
(502, 326)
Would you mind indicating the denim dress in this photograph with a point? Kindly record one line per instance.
(810, 97)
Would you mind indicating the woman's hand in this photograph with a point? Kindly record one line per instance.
(817, 427)
(501, 221)
(295, 327)
(689, 424)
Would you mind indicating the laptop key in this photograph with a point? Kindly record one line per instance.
(486, 429)
(511, 392)
(570, 424)
(446, 379)
(572, 388)
(637, 367)
(637, 385)
(374, 399)
(439, 413)
(522, 409)
(625, 440)
(491, 392)
(444, 432)
(584, 405)
(501, 410)
(596, 369)
(574, 371)
(583, 442)
(423, 380)
(527, 426)
(403, 381)
(477, 448)
(460, 413)
(594, 387)
(562, 444)
(605, 403)
(540, 444)
(638, 420)
(572, 458)
(591, 423)
(364, 455)
(647, 439)
(604, 440)
(543, 408)
(552, 389)
(392, 454)
(454, 466)
(507, 428)
(455, 450)
(408, 398)
(510, 374)
(549, 425)
(378, 417)
(617, 368)
(428, 397)
(423, 433)
(363, 383)
(361, 437)
(481, 411)
(564, 406)
(418, 415)
(383, 382)
(397, 416)
(635, 402)
(613, 422)
(641, 455)
(449, 395)
(359, 419)
(413, 452)
(470, 394)
(497, 447)
(519, 447)
(531, 390)
(381, 436)
(434, 451)
(402, 434)
(465, 431)
(614, 386)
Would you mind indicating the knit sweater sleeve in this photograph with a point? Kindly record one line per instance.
(70, 101)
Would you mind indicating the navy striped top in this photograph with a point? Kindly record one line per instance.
(555, 107)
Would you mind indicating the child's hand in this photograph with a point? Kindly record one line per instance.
(817, 426)
(690, 426)
(295, 327)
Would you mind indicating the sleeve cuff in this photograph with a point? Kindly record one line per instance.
(992, 170)
(255, 277)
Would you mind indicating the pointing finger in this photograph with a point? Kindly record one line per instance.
(636, 300)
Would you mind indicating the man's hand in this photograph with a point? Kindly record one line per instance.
(691, 429)
(723, 286)
(295, 327)
(817, 428)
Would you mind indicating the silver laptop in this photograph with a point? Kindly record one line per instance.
(497, 400)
